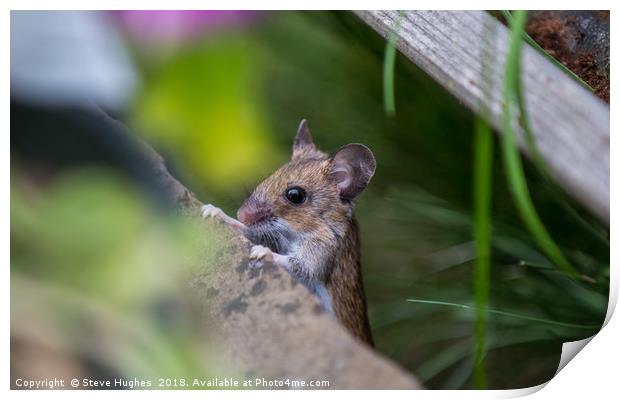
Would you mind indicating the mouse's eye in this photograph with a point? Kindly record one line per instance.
(295, 195)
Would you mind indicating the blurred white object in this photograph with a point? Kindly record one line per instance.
(67, 58)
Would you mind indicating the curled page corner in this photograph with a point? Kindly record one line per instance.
(570, 350)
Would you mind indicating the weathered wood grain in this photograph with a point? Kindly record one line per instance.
(465, 52)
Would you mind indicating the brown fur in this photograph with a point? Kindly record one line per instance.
(346, 288)
(321, 212)
(326, 237)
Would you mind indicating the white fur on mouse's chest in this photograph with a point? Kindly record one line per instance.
(315, 256)
(317, 261)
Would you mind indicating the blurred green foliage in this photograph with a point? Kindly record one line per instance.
(202, 104)
(95, 270)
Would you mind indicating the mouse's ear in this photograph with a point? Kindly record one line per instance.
(303, 140)
(352, 166)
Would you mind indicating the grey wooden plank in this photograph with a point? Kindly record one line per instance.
(465, 52)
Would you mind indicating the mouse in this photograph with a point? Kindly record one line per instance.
(301, 218)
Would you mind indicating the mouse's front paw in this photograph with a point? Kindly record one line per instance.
(260, 255)
(211, 211)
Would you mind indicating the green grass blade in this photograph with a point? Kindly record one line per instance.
(483, 163)
(508, 314)
(512, 158)
(389, 62)
(540, 163)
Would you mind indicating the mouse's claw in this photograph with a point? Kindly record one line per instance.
(260, 255)
(211, 211)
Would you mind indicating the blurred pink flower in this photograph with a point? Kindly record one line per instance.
(179, 25)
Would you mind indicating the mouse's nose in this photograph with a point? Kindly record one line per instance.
(253, 211)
